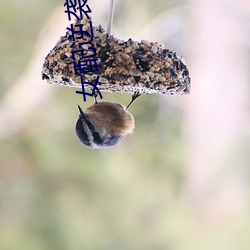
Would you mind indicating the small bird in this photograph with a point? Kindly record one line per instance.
(104, 124)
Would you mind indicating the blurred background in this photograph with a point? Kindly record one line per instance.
(180, 182)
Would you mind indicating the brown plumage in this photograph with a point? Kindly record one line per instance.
(112, 118)
(104, 124)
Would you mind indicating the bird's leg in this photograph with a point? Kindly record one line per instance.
(134, 97)
(95, 96)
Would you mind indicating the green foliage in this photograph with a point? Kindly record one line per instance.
(57, 194)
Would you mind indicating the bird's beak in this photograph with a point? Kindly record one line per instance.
(82, 115)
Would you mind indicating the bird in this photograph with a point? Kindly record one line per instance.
(104, 124)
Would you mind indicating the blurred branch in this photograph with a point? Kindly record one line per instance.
(23, 99)
(216, 111)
